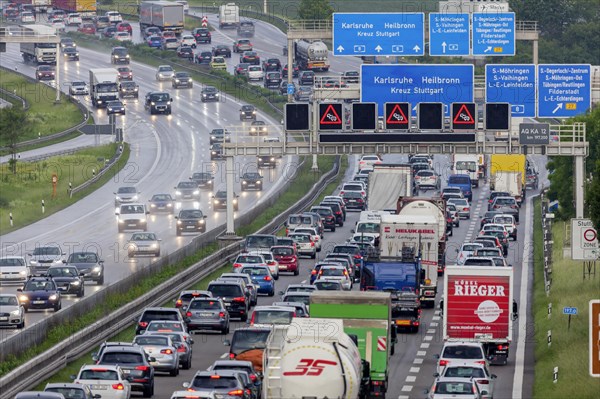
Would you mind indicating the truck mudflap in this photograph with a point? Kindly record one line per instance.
(497, 354)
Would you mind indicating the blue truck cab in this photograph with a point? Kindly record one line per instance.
(390, 276)
(462, 181)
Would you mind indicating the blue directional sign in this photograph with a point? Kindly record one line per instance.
(569, 310)
(494, 33)
(449, 34)
(290, 88)
(372, 34)
(513, 84)
(564, 90)
(415, 84)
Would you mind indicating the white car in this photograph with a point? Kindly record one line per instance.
(508, 221)
(143, 244)
(255, 72)
(42, 258)
(304, 244)
(106, 380)
(74, 19)
(188, 40)
(460, 351)
(165, 72)
(314, 234)
(12, 312)
(364, 171)
(466, 250)
(462, 207)
(270, 260)
(163, 350)
(114, 17)
(58, 24)
(27, 17)
(170, 43)
(122, 36)
(336, 273)
(479, 372)
(369, 160)
(449, 388)
(187, 394)
(247, 259)
(13, 269)
(78, 88)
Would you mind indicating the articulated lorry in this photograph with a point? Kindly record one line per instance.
(388, 182)
(368, 316)
(311, 55)
(313, 358)
(436, 207)
(413, 238)
(165, 15)
(508, 173)
(229, 16)
(478, 306)
(104, 86)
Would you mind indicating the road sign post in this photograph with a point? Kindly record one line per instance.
(449, 34)
(564, 91)
(513, 84)
(494, 34)
(594, 337)
(570, 311)
(373, 34)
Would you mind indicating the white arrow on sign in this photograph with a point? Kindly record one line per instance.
(444, 47)
(559, 106)
(340, 48)
(378, 48)
(416, 48)
(488, 49)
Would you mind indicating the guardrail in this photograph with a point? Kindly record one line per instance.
(548, 243)
(52, 360)
(100, 173)
(51, 154)
(15, 97)
(82, 108)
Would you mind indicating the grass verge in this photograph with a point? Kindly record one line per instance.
(44, 117)
(569, 350)
(22, 193)
(46, 143)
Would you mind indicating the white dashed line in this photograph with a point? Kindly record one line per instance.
(431, 331)
(407, 388)
(428, 338)
(224, 355)
(403, 397)
(421, 353)
(425, 345)
(433, 324)
(414, 370)
(418, 361)
(411, 378)
(435, 318)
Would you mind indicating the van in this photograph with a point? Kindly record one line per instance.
(255, 242)
(132, 217)
(272, 315)
(297, 220)
(462, 181)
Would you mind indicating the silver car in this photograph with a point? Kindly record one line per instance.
(448, 388)
(12, 312)
(304, 244)
(477, 371)
(143, 244)
(165, 72)
(182, 341)
(466, 250)
(13, 269)
(207, 314)
(462, 206)
(336, 273)
(78, 88)
(42, 258)
(162, 349)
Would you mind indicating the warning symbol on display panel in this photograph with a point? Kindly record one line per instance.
(330, 117)
(463, 116)
(397, 116)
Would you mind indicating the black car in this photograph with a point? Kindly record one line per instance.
(203, 180)
(406, 311)
(135, 364)
(241, 69)
(354, 200)
(88, 264)
(220, 201)
(326, 213)
(221, 50)
(158, 313)
(266, 161)
(190, 220)
(250, 57)
(67, 42)
(115, 107)
(202, 35)
(40, 293)
(271, 64)
(337, 211)
(187, 190)
(207, 314)
(306, 78)
(209, 93)
(220, 136)
(129, 89)
(216, 151)
(68, 279)
(158, 102)
(235, 298)
(295, 70)
(162, 203)
(272, 80)
(119, 55)
(252, 180)
(185, 52)
(71, 54)
(204, 58)
(247, 112)
(495, 194)
(109, 32)
(182, 79)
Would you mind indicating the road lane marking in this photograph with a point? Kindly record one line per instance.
(414, 370)
(418, 361)
(406, 388)
(411, 378)
(224, 355)
(431, 331)
(428, 338)
(421, 353)
(425, 345)
(433, 324)
(403, 397)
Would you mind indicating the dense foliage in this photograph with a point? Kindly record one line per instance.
(315, 9)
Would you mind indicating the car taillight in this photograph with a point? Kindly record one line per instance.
(357, 257)
(338, 212)
(181, 348)
(313, 272)
(312, 244)
(480, 362)
(253, 377)
(143, 324)
(118, 387)
(342, 192)
(188, 314)
(237, 265)
(221, 314)
(267, 278)
(271, 263)
(483, 382)
(359, 200)
(443, 362)
(239, 299)
(236, 392)
(502, 347)
(142, 368)
(232, 355)
(465, 209)
(178, 303)
(166, 352)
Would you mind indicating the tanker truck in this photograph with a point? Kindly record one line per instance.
(313, 358)
(311, 55)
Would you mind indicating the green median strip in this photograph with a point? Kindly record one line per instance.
(60, 333)
(569, 348)
(21, 193)
(43, 117)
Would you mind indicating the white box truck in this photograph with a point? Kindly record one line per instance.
(508, 181)
(406, 237)
(388, 182)
(104, 86)
(165, 15)
(229, 16)
(468, 164)
(368, 225)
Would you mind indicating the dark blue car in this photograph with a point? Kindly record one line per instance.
(162, 203)
(40, 293)
(154, 41)
(261, 277)
(463, 182)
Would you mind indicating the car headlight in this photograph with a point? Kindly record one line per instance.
(176, 80)
(152, 103)
(253, 112)
(177, 192)
(127, 56)
(116, 56)
(23, 298)
(216, 202)
(53, 297)
(143, 220)
(258, 182)
(23, 272)
(75, 283)
(15, 312)
(155, 245)
(203, 94)
(244, 182)
(179, 222)
(152, 205)
(201, 221)
(121, 221)
(97, 269)
(196, 192)
(169, 204)
(272, 159)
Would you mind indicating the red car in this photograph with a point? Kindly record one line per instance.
(125, 73)
(124, 27)
(88, 29)
(287, 258)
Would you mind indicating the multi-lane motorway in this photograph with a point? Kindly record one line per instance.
(166, 150)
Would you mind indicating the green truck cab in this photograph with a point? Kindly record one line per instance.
(367, 315)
